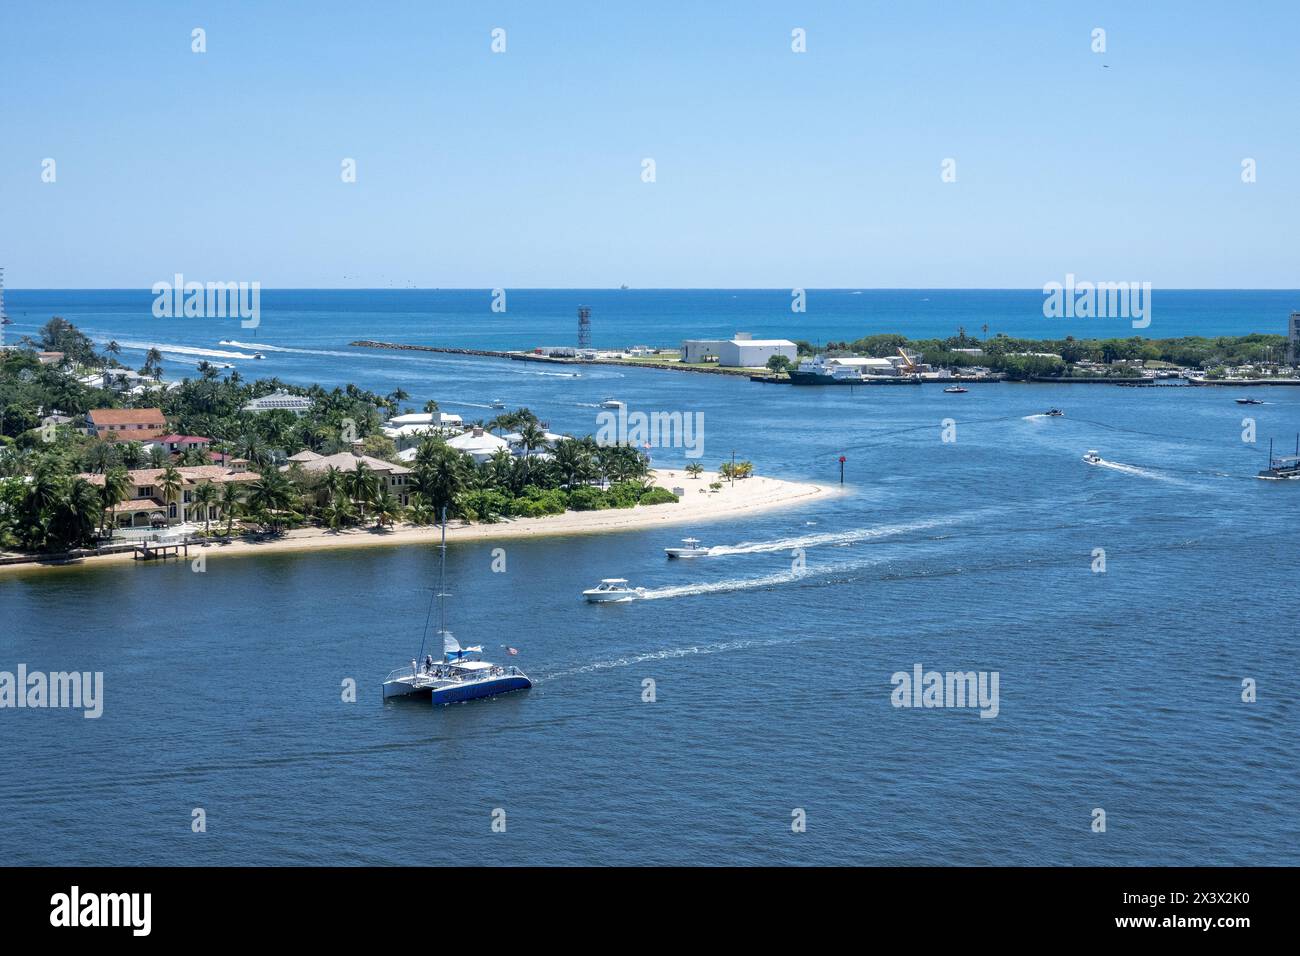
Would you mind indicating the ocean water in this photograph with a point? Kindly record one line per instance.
(1119, 690)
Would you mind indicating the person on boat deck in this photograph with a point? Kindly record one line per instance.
(428, 663)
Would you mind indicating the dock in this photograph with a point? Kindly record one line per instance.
(151, 550)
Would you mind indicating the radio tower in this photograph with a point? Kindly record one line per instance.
(584, 327)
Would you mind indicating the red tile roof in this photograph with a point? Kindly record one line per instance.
(184, 439)
(127, 416)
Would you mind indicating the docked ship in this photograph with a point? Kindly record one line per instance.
(856, 370)
(462, 674)
(821, 372)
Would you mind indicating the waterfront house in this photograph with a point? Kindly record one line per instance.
(127, 424)
(478, 444)
(147, 505)
(407, 431)
(280, 400)
(395, 477)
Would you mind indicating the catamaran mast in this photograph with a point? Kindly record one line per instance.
(441, 593)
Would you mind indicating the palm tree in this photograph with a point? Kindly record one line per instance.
(205, 495)
(695, 469)
(232, 499)
(337, 511)
(431, 407)
(170, 481)
(333, 482)
(362, 485)
(270, 494)
(116, 489)
(573, 461)
(387, 507)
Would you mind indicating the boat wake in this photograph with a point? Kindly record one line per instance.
(1135, 470)
(183, 350)
(256, 347)
(675, 652)
(816, 574)
(839, 537)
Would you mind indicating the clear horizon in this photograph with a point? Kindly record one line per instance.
(524, 168)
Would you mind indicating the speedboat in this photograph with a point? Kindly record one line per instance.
(497, 403)
(612, 590)
(1054, 413)
(1250, 401)
(955, 390)
(462, 674)
(692, 550)
(258, 355)
(611, 403)
(1093, 458)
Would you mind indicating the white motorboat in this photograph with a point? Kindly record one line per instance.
(956, 390)
(692, 549)
(497, 403)
(1093, 458)
(612, 403)
(612, 590)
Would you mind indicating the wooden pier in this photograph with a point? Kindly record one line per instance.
(149, 550)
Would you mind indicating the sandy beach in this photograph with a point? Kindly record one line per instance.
(697, 506)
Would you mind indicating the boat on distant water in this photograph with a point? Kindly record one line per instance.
(692, 550)
(1250, 401)
(462, 674)
(1093, 458)
(1286, 468)
(1054, 413)
(258, 355)
(611, 591)
(956, 390)
(612, 403)
(497, 403)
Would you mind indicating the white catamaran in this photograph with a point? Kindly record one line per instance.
(462, 674)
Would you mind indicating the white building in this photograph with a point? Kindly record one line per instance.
(742, 351)
(280, 401)
(478, 444)
(409, 430)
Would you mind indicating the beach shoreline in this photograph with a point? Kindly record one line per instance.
(697, 506)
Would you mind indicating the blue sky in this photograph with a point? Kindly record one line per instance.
(774, 169)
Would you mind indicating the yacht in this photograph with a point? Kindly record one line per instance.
(1093, 458)
(1250, 401)
(956, 390)
(612, 590)
(612, 403)
(462, 674)
(1054, 413)
(692, 550)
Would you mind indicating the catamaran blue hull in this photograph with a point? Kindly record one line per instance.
(477, 689)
